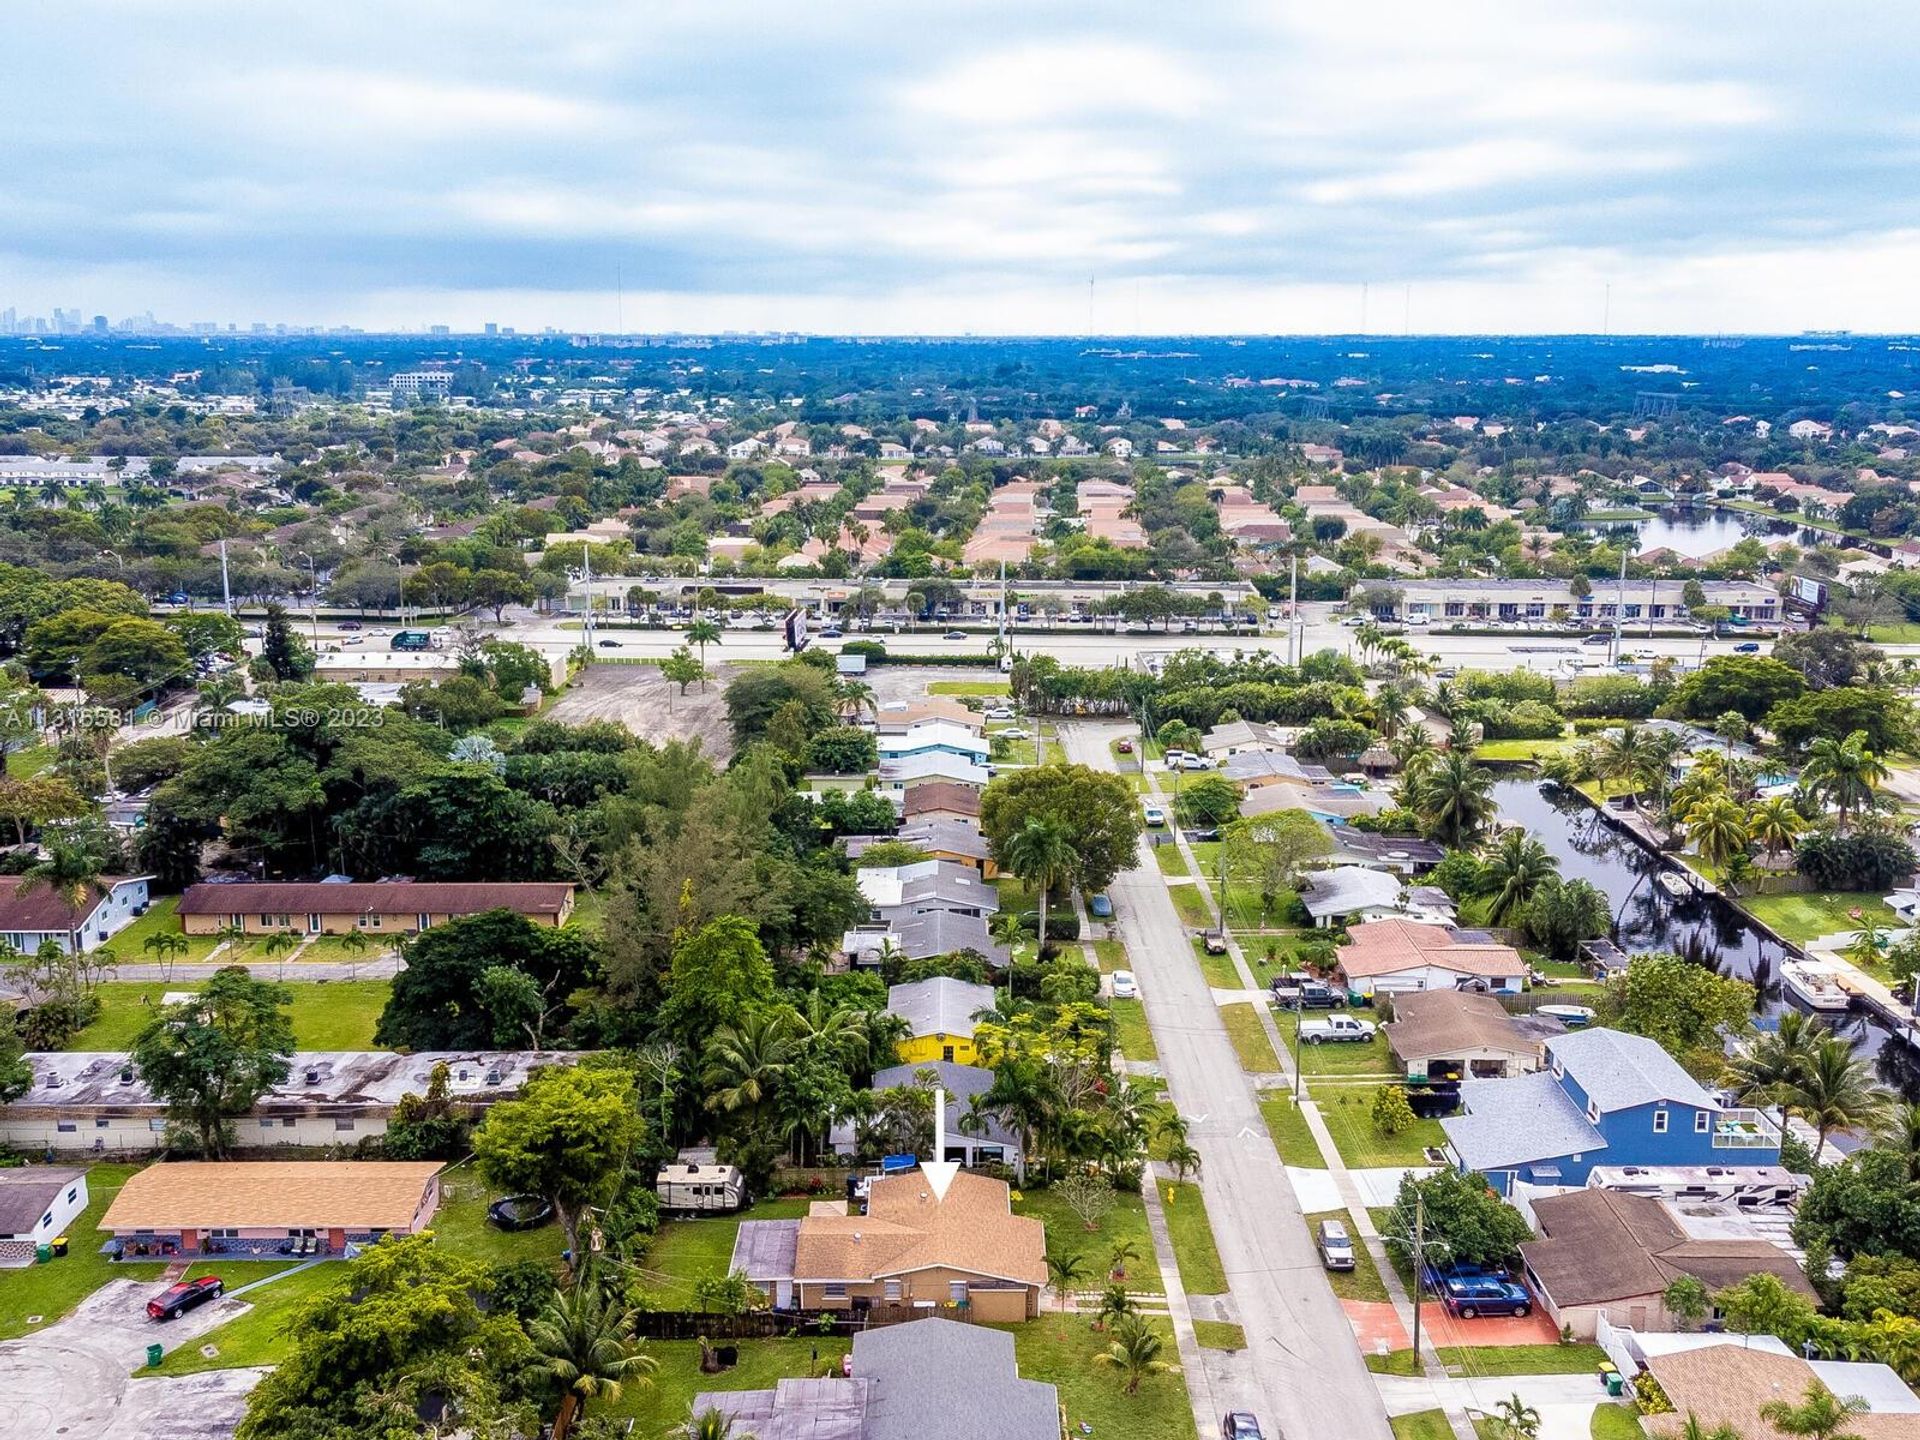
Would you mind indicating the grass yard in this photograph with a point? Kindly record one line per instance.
(1191, 903)
(51, 1290)
(160, 919)
(1013, 752)
(686, 1251)
(1288, 1127)
(1192, 1236)
(327, 1014)
(1514, 751)
(1905, 633)
(1219, 1335)
(1363, 1282)
(1061, 1351)
(30, 760)
(1800, 918)
(461, 1225)
(334, 950)
(1394, 1362)
(1523, 1359)
(1111, 955)
(259, 1337)
(1350, 1121)
(965, 688)
(1130, 1031)
(1346, 1058)
(1170, 860)
(667, 1399)
(1067, 1235)
(1250, 1041)
(1421, 1425)
(1219, 969)
(1616, 1422)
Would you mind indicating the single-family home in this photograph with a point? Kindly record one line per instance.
(1447, 1035)
(958, 842)
(270, 1207)
(1231, 737)
(920, 936)
(941, 800)
(991, 1142)
(1348, 893)
(1402, 854)
(933, 1379)
(331, 907)
(902, 774)
(1604, 1252)
(939, 1015)
(924, 1242)
(32, 915)
(1394, 955)
(933, 737)
(926, 885)
(1730, 1380)
(37, 1204)
(1604, 1098)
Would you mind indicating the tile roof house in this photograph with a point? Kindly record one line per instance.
(335, 908)
(256, 1207)
(30, 915)
(37, 1203)
(1451, 1035)
(1605, 1098)
(933, 1379)
(1394, 955)
(914, 1246)
(1603, 1252)
(939, 1015)
(1730, 1383)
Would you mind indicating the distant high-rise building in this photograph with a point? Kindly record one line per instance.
(99, 324)
(422, 385)
(492, 328)
(439, 330)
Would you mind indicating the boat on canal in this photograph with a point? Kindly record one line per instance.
(1672, 882)
(1814, 985)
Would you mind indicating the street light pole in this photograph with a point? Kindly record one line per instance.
(313, 599)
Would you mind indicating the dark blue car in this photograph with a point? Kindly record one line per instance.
(1469, 1291)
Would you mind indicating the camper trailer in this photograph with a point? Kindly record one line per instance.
(701, 1189)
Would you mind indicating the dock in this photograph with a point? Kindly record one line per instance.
(1604, 958)
(1896, 1013)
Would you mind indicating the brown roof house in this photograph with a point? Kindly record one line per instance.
(922, 1245)
(386, 907)
(1452, 1035)
(942, 800)
(30, 915)
(1729, 1384)
(1393, 956)
(1605, 1252)
(270, 1207)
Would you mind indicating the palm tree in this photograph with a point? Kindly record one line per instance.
(584, 1341)
(1455, 798)
(1134, 1351)
(1518, 1418)
(1063, 1273)
(703, 632)
(231, 936)
(1821, 1415)
(746, 1062)
(356, 944)
(1041, 854)
(710, 1424)
(1390, 709)
(1775, 823)
(1770, 1064)
(220, 692)
(71, 868)
(1115, 1306)
(1836, 1091)
(1625, 755)
(1900, 1134)
(1184, 1159)
(281, 944)
(858, 697)
(165, 946)
(1694, 1430)
(1843, 773)
(1718, 828)
(1004, 929)
(1518, 868)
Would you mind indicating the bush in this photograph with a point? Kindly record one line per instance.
(522, 1287)
(1391, 1112)
(1611, 697)
(1864, 860)
(874, 650)
(1060, 926)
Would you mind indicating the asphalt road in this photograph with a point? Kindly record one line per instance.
(1306, 1377)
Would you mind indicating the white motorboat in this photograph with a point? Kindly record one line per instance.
(1571, 1016)
(1671, 882)
(1813, 985)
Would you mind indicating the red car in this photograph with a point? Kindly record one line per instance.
(1125, 747)
(176, 1300)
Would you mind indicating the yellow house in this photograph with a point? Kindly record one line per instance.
(939, 1015)
(387, 907)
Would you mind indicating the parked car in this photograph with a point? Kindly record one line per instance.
(1447, 672)
(1309, 995)
(1125, 747)
(177, 1300)
(1100, 907)
(1338, 1029)
(1240, 1425)
(1213, 942)
(1469, 1292)
(1155, 816)
(1125, 987)
(1000, 712)
(1205, 835)
(1014, 732)
(1336, 1246)
(1747, 647)
(1174, 757)
(1194, 762)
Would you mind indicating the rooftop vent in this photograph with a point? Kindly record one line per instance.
(313, 1077)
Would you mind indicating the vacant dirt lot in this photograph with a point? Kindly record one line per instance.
(636, 697)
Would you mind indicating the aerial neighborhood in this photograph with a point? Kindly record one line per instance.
(729, 888)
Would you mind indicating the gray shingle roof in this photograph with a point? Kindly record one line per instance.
(941, 1006)
(1509, 1122)
(764, 1249)
(1619, 1071)
(961, 1083)
(1346, 889)
(27, 1192)
(943, 1380)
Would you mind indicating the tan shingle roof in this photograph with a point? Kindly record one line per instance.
(370, 1194)
(1440, 1022)
(1727, 1385)
(405, 897)
(973, 1230)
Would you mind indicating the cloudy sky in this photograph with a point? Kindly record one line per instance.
(891, 166)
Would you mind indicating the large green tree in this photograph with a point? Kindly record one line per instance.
(210, 1058)
(568, 1137)
(718, 975)
(1472, 1222)
(439, 1000)
(1687, 1008)
(1098, 812)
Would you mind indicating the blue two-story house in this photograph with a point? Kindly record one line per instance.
(1603, 1098)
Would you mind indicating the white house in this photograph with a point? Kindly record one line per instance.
(31, 915)
(934, 737)
(38, 1203)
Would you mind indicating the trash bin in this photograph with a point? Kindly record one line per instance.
(42, 1253)
(154, 1354)
(59, 1245)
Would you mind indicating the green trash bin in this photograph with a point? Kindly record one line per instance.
(1616, 1384)
(154, 1354)
(42, 1253)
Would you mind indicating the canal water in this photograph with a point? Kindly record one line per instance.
(1695, 531)
(1701, 927)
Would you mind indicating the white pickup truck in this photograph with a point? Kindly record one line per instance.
(1337, 1028)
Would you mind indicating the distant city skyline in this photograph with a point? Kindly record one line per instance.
(991, 168)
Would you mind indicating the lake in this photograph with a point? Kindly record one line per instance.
(1696, 531)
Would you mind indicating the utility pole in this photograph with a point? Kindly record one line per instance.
(1419, 1256)
(1293, 609)
(226, 587)
(586, 567)
(1619, 608)
(313, 600)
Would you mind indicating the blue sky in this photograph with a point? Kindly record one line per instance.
(899, 167)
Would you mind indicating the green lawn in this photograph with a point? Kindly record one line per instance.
(589, 906)
(1363, 1282)
(1170, 860)
(327, 1014)
(1250, 1041)
(51, 1290)
(259, 1336)
(1061, 1351)
(965, 688)
(686, 1251)
(1800, 918)
(461, 1225)
(1906, 633)
(1192, 1236)
(1191, 903)
(334, 950)
(1523, 1359)
(1130, 1031)
(1616, 1422)
(1219, 1335)
(1111, 955)
(1067, 1235)
(1421, 1425)
(1288, 1127)
(1518, 750)
(1219, 969)
(30, 760)
(1014, 752)
(1345, 1058)
(667, 1399)
(1348, 1113)
(160, 919)
(1394, 1362)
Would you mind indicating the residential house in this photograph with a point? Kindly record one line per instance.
(933, 1379)
(991, 1143)
(921, 1243)
(1729, 1380)
(941, 800)
(933, 737)
(1231, 737)
(919, 935)
(1402, 854)
(958, 842)
(1444, 1035)
(907, 771)
(926, 885)
(37, 1204)
(1603, 1252)
(270, 1207)
(939, 1015)
(1352, 892)
(1605, 1098)
(330, 907)
(32, 915)
(97, 1102)
(1394, 955)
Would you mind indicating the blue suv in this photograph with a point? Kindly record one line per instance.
(1469, 1291)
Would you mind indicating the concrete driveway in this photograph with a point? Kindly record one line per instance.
(74, 1380)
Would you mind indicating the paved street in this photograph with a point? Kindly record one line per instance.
(1304, 1376)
